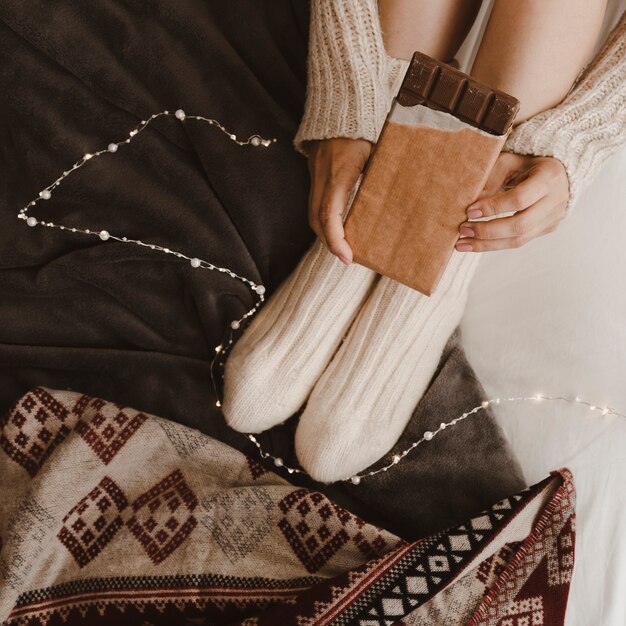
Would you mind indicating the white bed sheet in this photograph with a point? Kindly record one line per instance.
(550, 318)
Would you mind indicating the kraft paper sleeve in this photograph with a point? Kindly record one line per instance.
(426, 168)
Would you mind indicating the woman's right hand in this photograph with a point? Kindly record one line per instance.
(335, 166)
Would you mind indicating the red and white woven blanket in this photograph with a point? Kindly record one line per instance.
(111, 516)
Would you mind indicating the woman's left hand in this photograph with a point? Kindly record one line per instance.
(536, 188)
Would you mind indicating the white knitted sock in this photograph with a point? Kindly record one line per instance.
(274, 365)
(367, 394)
(277, 361)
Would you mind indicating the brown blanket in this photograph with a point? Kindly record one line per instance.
(112, 516)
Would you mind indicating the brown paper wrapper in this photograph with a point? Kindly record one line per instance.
(426, 168)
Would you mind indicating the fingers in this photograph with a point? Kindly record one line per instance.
(524, 222)
(327, 201)
(538, 199)
(523, 195)
(510, 232)
(329, 217)
(498, 176)
(335, 166)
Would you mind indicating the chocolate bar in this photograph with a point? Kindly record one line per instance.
(442, 87)
(439, 142)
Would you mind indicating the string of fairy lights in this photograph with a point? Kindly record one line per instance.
(429, 435)
(222, 349)
(105, 235)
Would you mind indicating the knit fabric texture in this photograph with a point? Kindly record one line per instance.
(275, 364)
(351, 79)
(364, 399)
(346, 73)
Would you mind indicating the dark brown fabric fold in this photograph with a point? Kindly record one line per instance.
(129, 324)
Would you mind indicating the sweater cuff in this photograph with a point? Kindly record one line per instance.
(332, 116)
(346, 73)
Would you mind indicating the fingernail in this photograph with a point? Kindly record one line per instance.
(466, 231)
(343, 259)
(474, 213)
(464, 247)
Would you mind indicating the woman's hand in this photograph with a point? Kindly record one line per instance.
(335, 166)
(536, 188)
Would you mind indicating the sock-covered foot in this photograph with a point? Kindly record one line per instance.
(367, 394)
(281, 354)
(277, 361)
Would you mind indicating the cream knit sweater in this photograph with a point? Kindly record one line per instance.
(351, 77)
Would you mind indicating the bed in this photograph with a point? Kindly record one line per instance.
(124, 325)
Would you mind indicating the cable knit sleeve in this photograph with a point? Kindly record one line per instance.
(347, 71)
(586, 128)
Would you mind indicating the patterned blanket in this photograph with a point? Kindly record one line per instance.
(112, 516)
